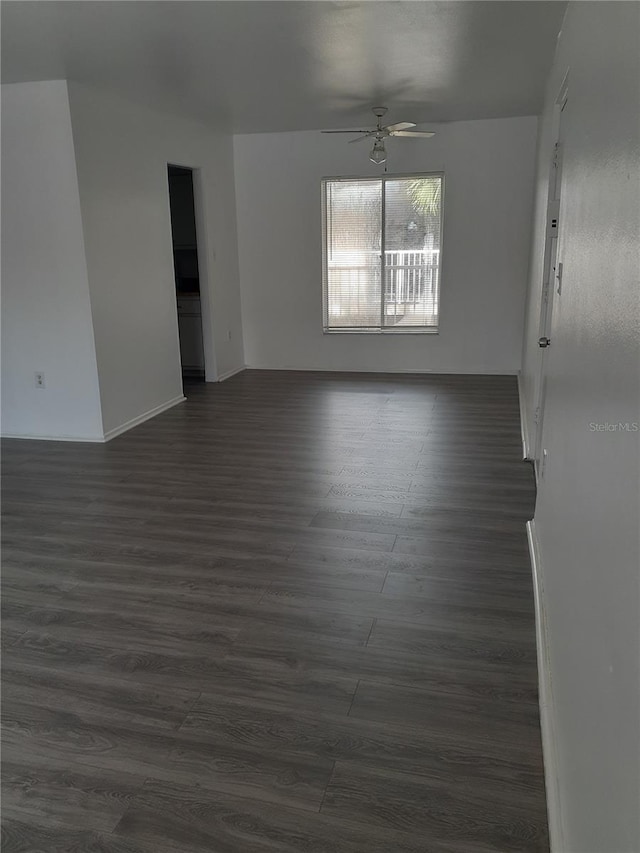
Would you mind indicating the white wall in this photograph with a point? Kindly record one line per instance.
(530, 373)
(489, 172)
(122, 151)
(587, 510)
(46, 312)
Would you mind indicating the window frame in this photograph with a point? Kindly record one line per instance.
(381, 330)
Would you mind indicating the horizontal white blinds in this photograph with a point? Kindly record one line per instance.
(382, 253)
(353, 246)
(411, 252)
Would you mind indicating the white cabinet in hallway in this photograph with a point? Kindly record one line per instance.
(190, 328)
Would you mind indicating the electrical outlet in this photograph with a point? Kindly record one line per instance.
(39, 379)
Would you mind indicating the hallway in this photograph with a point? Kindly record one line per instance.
(294, 613)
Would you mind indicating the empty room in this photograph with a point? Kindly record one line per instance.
(320, 420)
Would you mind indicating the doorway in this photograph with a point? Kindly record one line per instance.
(187, 272)
(552, 281)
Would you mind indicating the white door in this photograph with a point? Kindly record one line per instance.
(552, 281)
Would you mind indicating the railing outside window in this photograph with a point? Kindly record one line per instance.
(411, 283)
(411, 279)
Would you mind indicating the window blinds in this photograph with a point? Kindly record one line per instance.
(381, 269)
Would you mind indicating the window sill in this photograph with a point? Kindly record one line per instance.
(416, 331)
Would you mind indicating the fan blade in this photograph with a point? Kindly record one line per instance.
(360, 138)
(401, 125)
(345, 131)
(425, 134)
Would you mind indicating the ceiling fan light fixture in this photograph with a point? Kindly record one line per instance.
(401, 129)
(378, 153)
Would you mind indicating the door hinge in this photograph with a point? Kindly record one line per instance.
(559, 276)
(543, 463)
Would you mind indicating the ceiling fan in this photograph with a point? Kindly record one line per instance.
(378, 153)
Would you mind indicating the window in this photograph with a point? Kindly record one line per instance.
(381, 253)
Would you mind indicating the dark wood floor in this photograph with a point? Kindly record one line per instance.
(294, 614)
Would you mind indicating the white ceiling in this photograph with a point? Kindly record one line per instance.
(275, 66)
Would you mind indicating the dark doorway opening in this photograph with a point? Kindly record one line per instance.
(187, 277)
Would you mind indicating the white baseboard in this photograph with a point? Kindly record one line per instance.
(545, 693)
(524, 422)
(112, 433)
(231, 373)
(145, 416)
(418, 370)
(80, 438)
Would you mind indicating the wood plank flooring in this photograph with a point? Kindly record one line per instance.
(293, 614)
